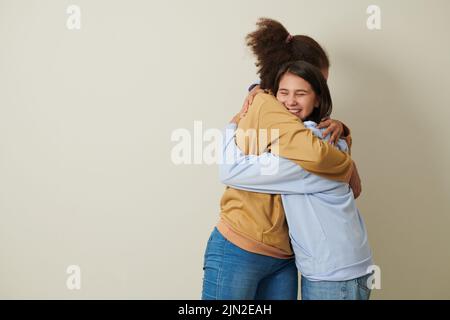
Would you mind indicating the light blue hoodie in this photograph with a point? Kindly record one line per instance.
(328, 234)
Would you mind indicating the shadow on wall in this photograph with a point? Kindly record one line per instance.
(399, 157)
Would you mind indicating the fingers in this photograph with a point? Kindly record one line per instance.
(246, 105)
(338, 128)
(334, 138)
(250, 99)
(326, 132)
(324, 124)
(253, 93)
(337, 134)
(335, 131)
(325, 119)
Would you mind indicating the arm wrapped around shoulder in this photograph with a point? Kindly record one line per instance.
(268, 126)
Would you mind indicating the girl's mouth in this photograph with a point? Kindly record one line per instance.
(295, 111)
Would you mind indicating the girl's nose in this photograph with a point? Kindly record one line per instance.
(291, 102)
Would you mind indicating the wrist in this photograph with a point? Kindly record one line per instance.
(350, 172)
(345, 130)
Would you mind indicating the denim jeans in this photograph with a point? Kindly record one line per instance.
(355, 289)
(231, 273)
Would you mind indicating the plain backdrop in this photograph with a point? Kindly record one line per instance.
(86, 117)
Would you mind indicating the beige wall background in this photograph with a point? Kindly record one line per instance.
(86, 116)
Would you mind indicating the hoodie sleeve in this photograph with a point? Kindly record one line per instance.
(266, 173)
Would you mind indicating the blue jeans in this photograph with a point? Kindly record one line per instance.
(355, 289)
(231, 273)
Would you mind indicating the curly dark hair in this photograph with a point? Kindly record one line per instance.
(273, 46)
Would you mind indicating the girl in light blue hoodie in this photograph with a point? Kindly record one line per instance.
(327, 232)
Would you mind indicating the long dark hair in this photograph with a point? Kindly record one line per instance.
(315, 78)
(273, 46)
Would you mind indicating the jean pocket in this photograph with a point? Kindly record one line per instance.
(214, 247)
(362, 283)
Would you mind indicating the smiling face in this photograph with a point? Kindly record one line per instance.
(297, 95)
